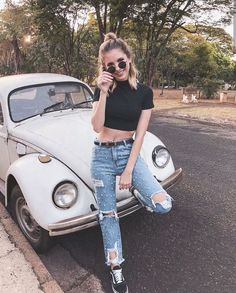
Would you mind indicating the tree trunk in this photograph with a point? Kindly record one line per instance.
(100, 24)
(18, 55)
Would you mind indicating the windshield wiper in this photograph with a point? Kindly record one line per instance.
(45, 110)
(81, 103)
(66, 106)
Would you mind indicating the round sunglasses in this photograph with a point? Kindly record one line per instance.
(112, 68)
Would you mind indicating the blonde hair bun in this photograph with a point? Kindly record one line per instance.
(110, 36)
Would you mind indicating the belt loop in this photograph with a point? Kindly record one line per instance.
(124, 142)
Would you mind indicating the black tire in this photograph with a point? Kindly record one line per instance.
(37, 236)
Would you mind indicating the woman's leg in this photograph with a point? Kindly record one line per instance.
(103, 171)
(104, 180)
(108, 219)
(151, 193)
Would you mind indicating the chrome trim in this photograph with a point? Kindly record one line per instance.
(56, 188)
(172, 179)
(154, 154)
(124, 208)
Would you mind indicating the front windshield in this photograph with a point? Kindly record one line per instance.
(28, 102)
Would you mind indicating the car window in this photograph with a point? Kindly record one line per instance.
(1, 115)
(28, 102)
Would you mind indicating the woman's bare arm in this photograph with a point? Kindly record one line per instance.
(126, 177)
(98, 115)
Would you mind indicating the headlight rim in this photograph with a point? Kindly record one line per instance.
(55, 189)
(154, 154)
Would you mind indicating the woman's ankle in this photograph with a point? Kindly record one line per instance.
(114, 265)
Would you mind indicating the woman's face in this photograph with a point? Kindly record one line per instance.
(114, 58)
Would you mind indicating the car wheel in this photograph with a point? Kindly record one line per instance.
(38, 237)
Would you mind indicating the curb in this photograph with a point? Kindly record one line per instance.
(46, 281)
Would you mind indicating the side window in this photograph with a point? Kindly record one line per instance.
(87, 94)
(81, 95)
(1, 115)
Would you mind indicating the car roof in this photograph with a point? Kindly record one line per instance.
(11, 82)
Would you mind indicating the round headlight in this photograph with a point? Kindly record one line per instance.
(65, 195)
(160, 156)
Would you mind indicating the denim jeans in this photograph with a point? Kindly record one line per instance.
(107, 163)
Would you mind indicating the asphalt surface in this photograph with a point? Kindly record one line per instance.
(192, 249)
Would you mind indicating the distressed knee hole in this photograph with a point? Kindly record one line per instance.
(107, 214)
(163, 199)
(112, 255)
(158, 198)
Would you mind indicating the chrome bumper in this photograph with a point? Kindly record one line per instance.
(172, 179)
(124, 208)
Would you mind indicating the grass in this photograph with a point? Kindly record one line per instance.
(170, 102)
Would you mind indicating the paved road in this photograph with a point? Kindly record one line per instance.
(193, 248)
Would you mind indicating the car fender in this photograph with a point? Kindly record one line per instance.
(37, 181)
(149, 143)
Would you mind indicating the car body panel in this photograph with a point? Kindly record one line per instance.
(60, 135)
(38, 183)
(4, 153)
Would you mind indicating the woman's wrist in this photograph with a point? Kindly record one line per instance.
(128, 170)
(103, 93)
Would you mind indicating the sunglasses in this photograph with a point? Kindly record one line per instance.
(112, 68)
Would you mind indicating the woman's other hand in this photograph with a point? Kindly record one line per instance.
(125, 180)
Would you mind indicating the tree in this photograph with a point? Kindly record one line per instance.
(155, 20)
(110, 14)
(195, 52)
(15, 25)
(65, 37)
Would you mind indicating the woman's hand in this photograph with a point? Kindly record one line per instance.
(104, 81)
(125, 180)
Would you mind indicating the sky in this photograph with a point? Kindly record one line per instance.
(229, 28)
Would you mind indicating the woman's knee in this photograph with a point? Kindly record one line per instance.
(162, 202)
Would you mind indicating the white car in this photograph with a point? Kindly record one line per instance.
(46, 141)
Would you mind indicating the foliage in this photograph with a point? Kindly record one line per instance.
(210, 87)
(15, 26)
(65, 37)
(155, 21)
(66, 42)
(198, 57)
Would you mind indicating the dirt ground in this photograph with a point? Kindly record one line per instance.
(213, 110)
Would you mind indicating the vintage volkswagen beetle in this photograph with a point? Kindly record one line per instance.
(45, 146)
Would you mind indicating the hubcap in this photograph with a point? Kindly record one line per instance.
(26, 220)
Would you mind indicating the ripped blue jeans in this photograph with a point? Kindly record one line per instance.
(107, 163)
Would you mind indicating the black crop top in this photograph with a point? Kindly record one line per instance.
(124, 105)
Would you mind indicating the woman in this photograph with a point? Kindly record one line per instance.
(121, 110)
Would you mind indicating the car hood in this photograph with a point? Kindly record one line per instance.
(67, 136)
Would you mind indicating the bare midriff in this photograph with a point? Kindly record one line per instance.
(109, 134)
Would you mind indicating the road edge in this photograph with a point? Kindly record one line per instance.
(47, 283)
(219, 122)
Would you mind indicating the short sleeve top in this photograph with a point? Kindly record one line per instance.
(124, 105)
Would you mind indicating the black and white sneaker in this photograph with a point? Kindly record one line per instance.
(118, 282)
